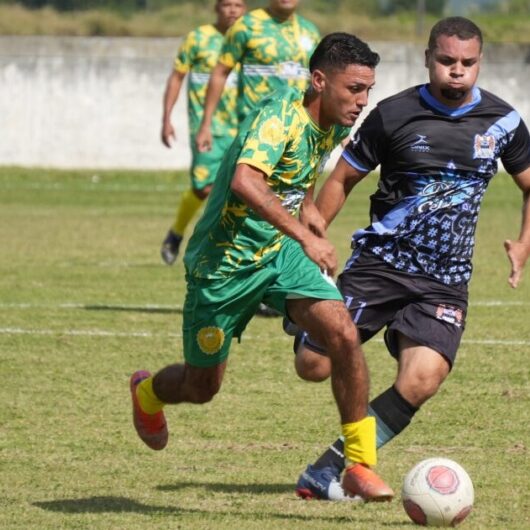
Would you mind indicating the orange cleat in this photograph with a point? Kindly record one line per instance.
(151, 428)
(360, 480)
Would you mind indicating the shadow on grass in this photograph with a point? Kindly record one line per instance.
(123, 505)
(252, 489)
(134, 309)
(103, 505)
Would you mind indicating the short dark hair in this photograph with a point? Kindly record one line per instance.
(338, 50)
(462, 27)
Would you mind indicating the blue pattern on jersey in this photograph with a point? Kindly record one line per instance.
(432, 232)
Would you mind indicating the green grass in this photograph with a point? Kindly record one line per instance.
(180, 17)
(85, 301)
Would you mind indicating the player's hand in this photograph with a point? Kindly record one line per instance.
(517, 254)
(168, 134)
(322, 252)
(203, 140)
(311, 218)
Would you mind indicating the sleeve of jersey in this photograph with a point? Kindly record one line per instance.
(234, 44)
(364, 151)
(183, 59)
(266, 140)
(516, 156)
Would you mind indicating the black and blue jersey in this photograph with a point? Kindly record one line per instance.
(436, 163)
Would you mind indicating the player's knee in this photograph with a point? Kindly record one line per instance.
(420, 387)
(201, 386)
(202, 193)
(340, 338)
(204, 393)
(312, 367)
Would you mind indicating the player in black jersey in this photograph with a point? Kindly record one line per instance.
(438, 146)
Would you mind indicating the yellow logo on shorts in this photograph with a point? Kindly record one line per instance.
(210, 339)
(271, 132)
(201, 173)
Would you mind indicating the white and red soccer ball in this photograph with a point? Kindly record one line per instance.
(437, 492)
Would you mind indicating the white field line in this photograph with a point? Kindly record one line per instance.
(150, 334)
(95, 185)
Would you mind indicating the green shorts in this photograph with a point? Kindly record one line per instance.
(219, 309)
(204, 166)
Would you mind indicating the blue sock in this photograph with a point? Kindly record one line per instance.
(392, 414)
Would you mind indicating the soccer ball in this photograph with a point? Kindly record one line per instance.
(437, 492)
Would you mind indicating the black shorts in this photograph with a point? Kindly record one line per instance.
(423, 309)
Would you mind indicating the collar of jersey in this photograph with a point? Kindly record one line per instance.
(314, 125)
(450, 111)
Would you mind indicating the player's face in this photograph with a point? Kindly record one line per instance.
(228, 11)
(344, 94)
(453, 69)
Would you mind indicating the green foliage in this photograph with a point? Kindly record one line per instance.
(85, 301)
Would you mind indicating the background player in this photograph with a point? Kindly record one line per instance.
(197, 57)
(273, 47)
(250, 246)
(438, 146)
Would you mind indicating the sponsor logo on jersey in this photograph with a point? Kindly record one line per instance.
(484, 146)
(421, 145)
(210, 339)
(452, 315)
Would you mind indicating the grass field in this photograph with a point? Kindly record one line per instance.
(85, 301)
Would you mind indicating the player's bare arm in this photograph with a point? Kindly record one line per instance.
(171, 94)
(518, 250)
(216, 85)
(249, 185)
(310, 216)
(336, 188)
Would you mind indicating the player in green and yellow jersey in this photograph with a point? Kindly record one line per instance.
(197, 57)
(273, 47)
(250, 246)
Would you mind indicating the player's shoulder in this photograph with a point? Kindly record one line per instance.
(408, 95)
(199, 32)
(490, 100)
(255, 16)
(307, 24)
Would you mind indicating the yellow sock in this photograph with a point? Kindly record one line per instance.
(360, 442)
(147, 399)
(189, 204)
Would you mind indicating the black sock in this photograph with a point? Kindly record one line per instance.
(392, 412)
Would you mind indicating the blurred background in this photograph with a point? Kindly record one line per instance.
(81, 81)
(501, 20)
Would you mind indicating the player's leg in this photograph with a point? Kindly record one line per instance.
(204, 168)
(214, 311)
(416, 337)
(421, 371)
(330, 323)
(176, 383)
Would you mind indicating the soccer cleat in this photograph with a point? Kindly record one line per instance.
(151, 428)
(322, 484)
(170, 247)
(360, 480)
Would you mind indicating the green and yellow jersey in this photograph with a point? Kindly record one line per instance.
(197, 57)
(273, 54)
(283, 141)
